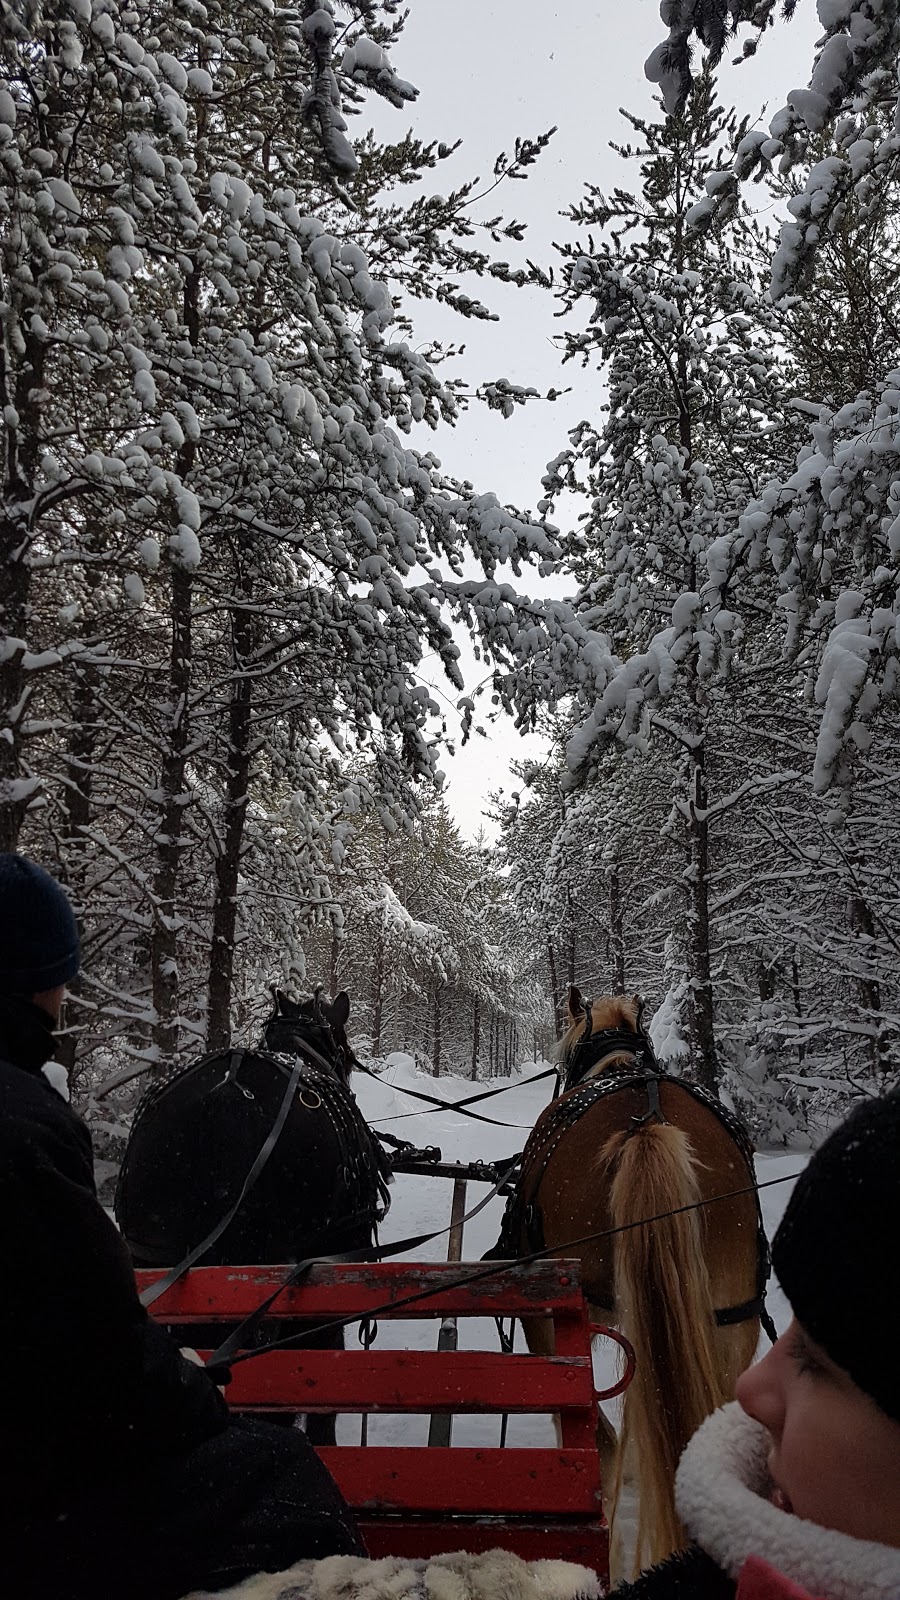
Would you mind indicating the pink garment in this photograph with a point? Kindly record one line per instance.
(758, 1581)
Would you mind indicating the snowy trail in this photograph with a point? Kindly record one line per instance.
(423, 1204)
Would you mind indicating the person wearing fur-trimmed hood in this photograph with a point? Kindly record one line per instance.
(792, 1492)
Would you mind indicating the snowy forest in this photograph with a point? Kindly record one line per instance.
(228, 547)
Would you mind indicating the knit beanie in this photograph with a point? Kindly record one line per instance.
(38, 934)
(833, 1253)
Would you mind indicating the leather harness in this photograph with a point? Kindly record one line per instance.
(364, 1167)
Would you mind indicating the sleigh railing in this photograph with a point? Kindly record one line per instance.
(411, 1500)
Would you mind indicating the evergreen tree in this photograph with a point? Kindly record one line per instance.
(696, 418)
(218, 547)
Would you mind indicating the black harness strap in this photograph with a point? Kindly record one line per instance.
(458, 1105)
(239, 1336)
(654, 1111)
(360, 1168)
(172, 1276)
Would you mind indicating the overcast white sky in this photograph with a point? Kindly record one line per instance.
(487, 71)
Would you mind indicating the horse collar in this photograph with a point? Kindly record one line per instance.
(590, 1049)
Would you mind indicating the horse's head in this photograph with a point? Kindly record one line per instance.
(316, 1021)
(602, 1033)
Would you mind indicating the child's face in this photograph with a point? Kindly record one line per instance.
(835, 1457)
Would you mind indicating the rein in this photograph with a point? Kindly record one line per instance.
(225, 1357)
(227, 1351)
(303, 1049)
(457, 1105)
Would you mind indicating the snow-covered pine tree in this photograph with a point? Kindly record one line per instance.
(590, 875)
(843, 333)
(853, 89)
(206, 404)
(696, 419)
(425, 941)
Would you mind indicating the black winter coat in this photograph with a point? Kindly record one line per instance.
(89, 1378)
(121, 1472)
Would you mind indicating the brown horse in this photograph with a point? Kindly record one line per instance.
(600, 1160)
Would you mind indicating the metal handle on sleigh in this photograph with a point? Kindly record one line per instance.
(600, 1328)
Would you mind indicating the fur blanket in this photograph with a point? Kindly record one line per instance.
(495, 1575)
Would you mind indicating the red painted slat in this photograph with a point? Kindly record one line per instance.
(417, 1380)
(586, 1542)
(547, 1483)
(542, 1288)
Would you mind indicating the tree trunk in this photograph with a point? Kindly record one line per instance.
(14, 587)
(798, 1003)
(616, 932)
(20, 449)
(555, 991)
(436, 1034)
(76, 805)
(378, 993)
(170, 838)
(333, 960)
(765, 980)
(570, 940)
(476, 1036)
(862, 924)
(228, 861)
(700, 991)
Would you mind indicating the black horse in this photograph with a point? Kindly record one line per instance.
(197, 1134)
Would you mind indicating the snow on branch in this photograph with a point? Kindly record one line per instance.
(369, 65)
(713, 23)
(853, 87)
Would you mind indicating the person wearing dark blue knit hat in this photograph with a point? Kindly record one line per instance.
(39, 947)
(39, 955)
(123, 1470)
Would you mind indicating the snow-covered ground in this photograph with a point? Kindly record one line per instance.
(421, 1205)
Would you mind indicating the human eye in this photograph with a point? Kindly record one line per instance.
(804, 1357)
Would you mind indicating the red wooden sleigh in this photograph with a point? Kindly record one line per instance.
(415, 1501)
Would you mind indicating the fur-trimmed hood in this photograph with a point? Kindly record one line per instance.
(496, 1575)
(721, 1493)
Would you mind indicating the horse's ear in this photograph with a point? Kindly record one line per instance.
(340, 1009)
(575, 1003)
(280, 1002)
(637, 1001)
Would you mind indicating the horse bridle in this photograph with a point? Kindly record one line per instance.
(344, 1061)
(595, 1049)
